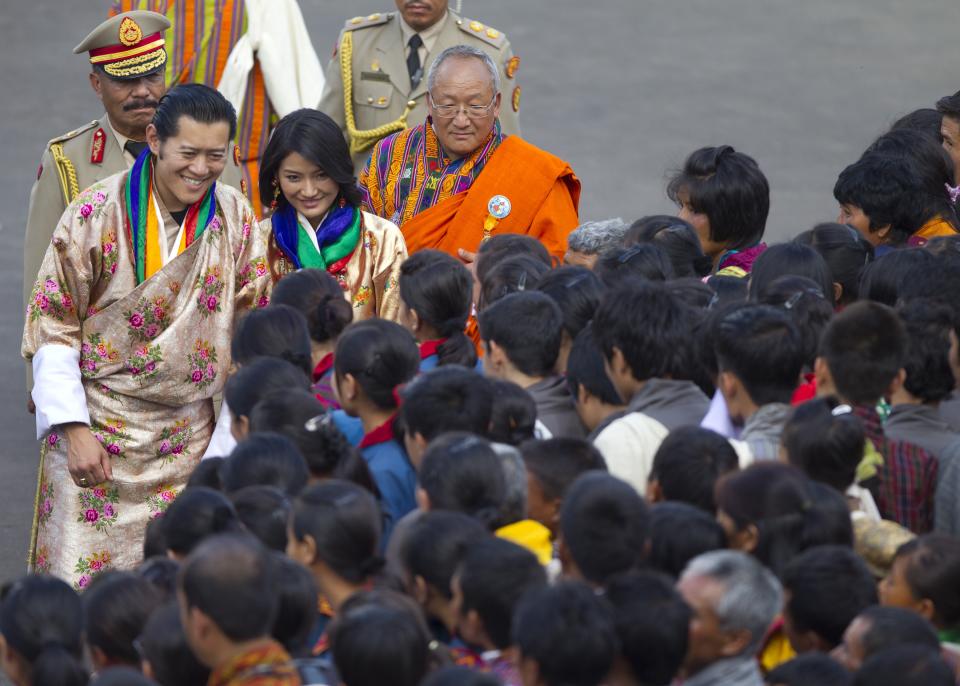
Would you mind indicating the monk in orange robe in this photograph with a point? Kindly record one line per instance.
(456, 180)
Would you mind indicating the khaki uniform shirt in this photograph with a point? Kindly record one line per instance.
(94, 152)
(381, 83)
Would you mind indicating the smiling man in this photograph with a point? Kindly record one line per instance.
(376, 82)
(128, 332)
(457, 179)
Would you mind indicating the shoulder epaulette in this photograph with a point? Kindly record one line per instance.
(73, 134)
(487, 34)
(374, 19)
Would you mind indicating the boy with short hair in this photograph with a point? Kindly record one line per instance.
(596, 399)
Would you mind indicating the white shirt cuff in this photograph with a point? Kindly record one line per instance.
(57, 388)
(222, 441)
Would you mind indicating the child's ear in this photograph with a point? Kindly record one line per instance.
(897, 383)
(348, 387)
(423, 500)
(654, 492)
(421, 592)
(821, 373)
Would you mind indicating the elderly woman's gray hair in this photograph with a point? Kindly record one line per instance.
(752, 595)
(515, 476)
(594, 238)
(461, 52)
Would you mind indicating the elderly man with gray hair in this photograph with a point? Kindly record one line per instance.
(591, 239)
(456, 179)
(734, 600)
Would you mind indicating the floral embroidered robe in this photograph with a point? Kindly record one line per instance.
(151, 358)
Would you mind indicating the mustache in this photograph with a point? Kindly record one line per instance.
(422, 3)
(141, 104)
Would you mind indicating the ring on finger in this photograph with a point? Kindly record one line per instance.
(82, 481)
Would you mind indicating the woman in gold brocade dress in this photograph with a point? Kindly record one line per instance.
(307, 179)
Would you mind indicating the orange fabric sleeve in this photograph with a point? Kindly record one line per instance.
(557, 216)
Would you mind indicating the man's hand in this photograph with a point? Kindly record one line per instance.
(88, 462)
(468, 257)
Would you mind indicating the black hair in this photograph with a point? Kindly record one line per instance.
(514, 415)
(121, 676)
(201, 103)
(692, 291)
(620, 267)
(925, 120)
(195, 515)
(41, 620)
(315, 137)
(268, 459)
(380, 355)
(864, 348)
(435, 545)
(154, 539)
(649, 326)
(728, 290)
(568, 630)
(888, 627)
(605, 526)
(688, 464)
(935, 280)
(909, 665)
(826, 446)
(504, 245)
(460, 676)
(320, 442)
(761, 347)
(297, 605)
(514, 274)
(885, 190)
(264, 511)
(791, 513)
(846, 253)
(577, 291)
(275, 331)
(680, 532)
(529, 327)
(931, 572)
(161, 572)
(164, 645)
(206, 474)
(790, 259)
(653, 624)
(447, 399)
(930, 166)
(439, 288)
(729, 188)
(493, 575)
(461, 472)
(558, 462)
(678, 240)
(585, 367)
(803, 300)
(883, 279)
(229, 578)
(949, 106)
(259, 377)
(927, 359)
(319, 298)
(944, 246)
(345, 523)
(377, 644)
(829, 586)
(116, 606)
(812, 669)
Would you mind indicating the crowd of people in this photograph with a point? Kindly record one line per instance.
(464, 441)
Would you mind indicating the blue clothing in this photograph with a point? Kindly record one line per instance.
(396, 479)
(433, 361)
(350, 427)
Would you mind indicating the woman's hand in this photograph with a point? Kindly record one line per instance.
(87, 461)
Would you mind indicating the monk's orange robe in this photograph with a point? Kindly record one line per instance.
(934, 228)
(542, 189)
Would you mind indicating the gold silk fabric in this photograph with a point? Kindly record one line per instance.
(151, 358)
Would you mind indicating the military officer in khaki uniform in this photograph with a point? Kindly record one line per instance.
(376, 82)
(128, 57)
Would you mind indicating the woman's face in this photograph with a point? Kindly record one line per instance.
(854, 216)
(700, 223)
(307, 187)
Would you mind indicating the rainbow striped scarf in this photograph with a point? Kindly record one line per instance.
(337, 236)
(142, 225)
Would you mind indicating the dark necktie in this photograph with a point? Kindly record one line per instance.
(413, 60)
(134, 147)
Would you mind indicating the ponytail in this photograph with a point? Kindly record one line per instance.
(56, 666)
(458, 349)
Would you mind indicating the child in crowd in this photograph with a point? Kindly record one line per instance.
(513, 418)
(726, 198)
(320, 298)
(678, 240)
(577, 291)
(522, 334)
(372, 360)
(846, 253)
(436, 294)
(688, 465)
(268, 459)
(116, 607)
(250, 383)
(678, 533)
(596, 399)
(640, 261)
(264, 511)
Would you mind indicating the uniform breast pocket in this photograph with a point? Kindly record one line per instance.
(373, 90)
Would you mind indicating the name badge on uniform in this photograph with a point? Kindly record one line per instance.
(374, 76)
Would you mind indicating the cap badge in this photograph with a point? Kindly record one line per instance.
(130, 33)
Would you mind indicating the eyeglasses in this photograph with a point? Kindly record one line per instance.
(451, 111)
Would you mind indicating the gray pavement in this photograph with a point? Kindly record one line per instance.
(623, 89)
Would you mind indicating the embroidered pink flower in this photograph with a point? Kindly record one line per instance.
(178, 449)
(100, 492)
(86, 348)
(212, 303)
(196, 376)
(86, 210)
(215, 224)
(82, 581)
(108, 510)
(107, 248)
(113, 449)
(91, 515)
(52, 439)
(263, 301)
(89, 365)
(211, 371)
(151, 330)
(211, 279)
(166, 496)
(99, 196)
(203, 353)
(96, 565)
(50, 286)
(113, 268)
(261, 269)
(43, 301)
(102, 350)
(136, 320)
(66, 301)
(246, 231)
(159, 312)
(150, 366)
(165, 447)
(135, 370)
(47, 506)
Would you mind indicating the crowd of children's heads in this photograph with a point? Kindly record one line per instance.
(682, 455)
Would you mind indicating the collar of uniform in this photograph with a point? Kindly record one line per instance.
(119, 137)
(429, 36)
